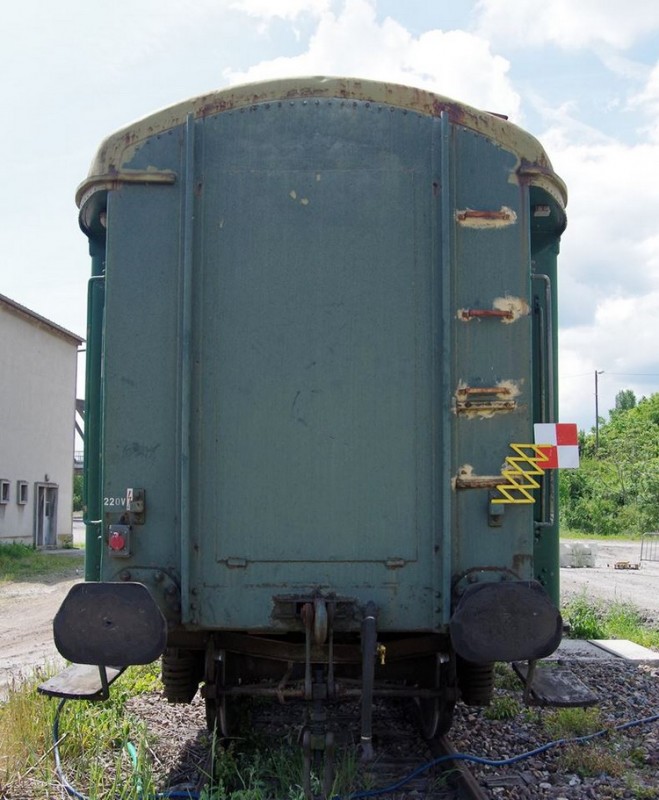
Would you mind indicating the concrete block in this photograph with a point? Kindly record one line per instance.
(576, 554)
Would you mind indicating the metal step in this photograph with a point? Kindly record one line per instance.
(81, 682)
(555, 686)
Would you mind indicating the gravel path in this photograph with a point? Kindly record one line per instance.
(637, 586)
(622, 764)
(26, 626)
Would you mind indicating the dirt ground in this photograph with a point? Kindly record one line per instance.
(603, 581)
(27, 609)
(26, 621)
(26, 626)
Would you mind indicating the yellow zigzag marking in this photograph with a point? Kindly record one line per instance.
(519, 474)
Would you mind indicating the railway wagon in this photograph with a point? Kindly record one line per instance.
(321, 310)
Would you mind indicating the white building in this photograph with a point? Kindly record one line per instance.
(38, 364)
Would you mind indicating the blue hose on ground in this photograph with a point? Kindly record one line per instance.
(504, 762)
(58, 764)
(73, 792)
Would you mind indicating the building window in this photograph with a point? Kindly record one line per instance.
(21, 493)
(4, 491)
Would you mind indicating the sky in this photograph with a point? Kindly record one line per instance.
(580, 75)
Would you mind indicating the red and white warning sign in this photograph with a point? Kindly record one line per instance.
(559, 442)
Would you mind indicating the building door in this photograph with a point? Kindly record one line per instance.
(46, 516)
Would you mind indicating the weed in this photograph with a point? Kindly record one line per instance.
(25, 723)
(624, 621)
(637, 756)
(589, 620)
(103, 750)
(585, 619)
(641, 791)
(503, 707)
(589, 760)
(257, 774)
(566, 723)
(505, 677)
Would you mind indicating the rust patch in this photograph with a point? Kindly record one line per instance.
(467, 314)
(486, 401)
(467, 479)
(466, 391)
(521, 564)
(507, 309)
(533, 166)
(474, 218)
(515, 307)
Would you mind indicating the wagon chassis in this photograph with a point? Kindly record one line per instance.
(308, 673)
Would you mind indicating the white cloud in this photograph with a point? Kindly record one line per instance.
(622, 343)
(353, 43)
(647, 103)
(608, 271)
(568, 24)
(282, 9)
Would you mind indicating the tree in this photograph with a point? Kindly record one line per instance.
(616, 490)
(625, 400)
(77, 492)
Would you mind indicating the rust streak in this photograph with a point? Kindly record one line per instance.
(478, 218)
(486, 401)
(471, 213)
(486, 408)
(478, 481)
(496, 390)
(471, 313)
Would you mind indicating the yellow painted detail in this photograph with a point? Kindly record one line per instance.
(520, 474)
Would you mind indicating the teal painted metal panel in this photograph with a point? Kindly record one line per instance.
(287, 316)
(492, 262)
(315, 361)
(141, 374)
(316, 358)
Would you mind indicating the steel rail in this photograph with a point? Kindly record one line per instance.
(468, 787)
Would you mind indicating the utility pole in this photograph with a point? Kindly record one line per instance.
(597, 412)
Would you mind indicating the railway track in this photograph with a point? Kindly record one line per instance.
(180, 748)
(403, 764)
(467, 786)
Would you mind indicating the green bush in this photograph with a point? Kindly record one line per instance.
(585, 619)
(616, 489)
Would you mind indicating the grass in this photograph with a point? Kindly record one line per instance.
(259, 774)
(569, 534)
(505, 678)
(589, 619)
(95, 748)
(610, 756)
(566, 723)
(106, 753)
(18, 562)
(503, 706)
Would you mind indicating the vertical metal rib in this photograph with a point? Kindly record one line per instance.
(445, 350)
(547, 395)
(186, 367)
(93, 448)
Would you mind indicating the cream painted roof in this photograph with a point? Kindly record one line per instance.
(117, 149)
